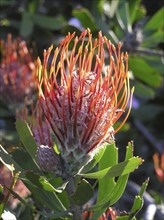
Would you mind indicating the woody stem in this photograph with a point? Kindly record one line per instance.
(75, 209)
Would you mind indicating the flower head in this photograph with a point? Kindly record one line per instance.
(83, 92)
(16, 72)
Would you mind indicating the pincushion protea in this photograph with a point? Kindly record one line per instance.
(17, 72)
(83, 92)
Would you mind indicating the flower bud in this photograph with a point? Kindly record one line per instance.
(48, 160)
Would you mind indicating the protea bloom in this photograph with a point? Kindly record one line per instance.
(17, 77)
(83, 92)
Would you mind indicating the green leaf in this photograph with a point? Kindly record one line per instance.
(27, 24)
(44, 193)
(106, 184)
(138, 201)
(143, 91)
(122, 217)
(137, 205)
(143, 188)
(48, 22)
(122, 180)
(85, 17)
(119, 187)
(120, 169)
(156, 22)
(27, 138)
(155, 62)
(63, 197)
(99, 4)
(95, 160)
(83, 193)
(152, 39)
(24, 160)
(122, 15)
(30, 146)
(113, 197)
(8, 161)
(133, 9)
(129, 151)
(2, 203)
(33, 6)
(46, 199)
(59, 185)
(57, 182)
(7, 2)
(145, 72)
(41, 182)
(113, 8)
(27, 213)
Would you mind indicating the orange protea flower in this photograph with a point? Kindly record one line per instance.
(83, 93)
(159, 166)
(16, 72)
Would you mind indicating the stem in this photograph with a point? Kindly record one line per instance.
(76, 209)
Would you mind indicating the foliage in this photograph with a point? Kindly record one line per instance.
(47, 195)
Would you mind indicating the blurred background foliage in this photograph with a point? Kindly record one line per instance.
(138, 24)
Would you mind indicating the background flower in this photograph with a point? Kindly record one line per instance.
(159, 166)
(17, 72)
